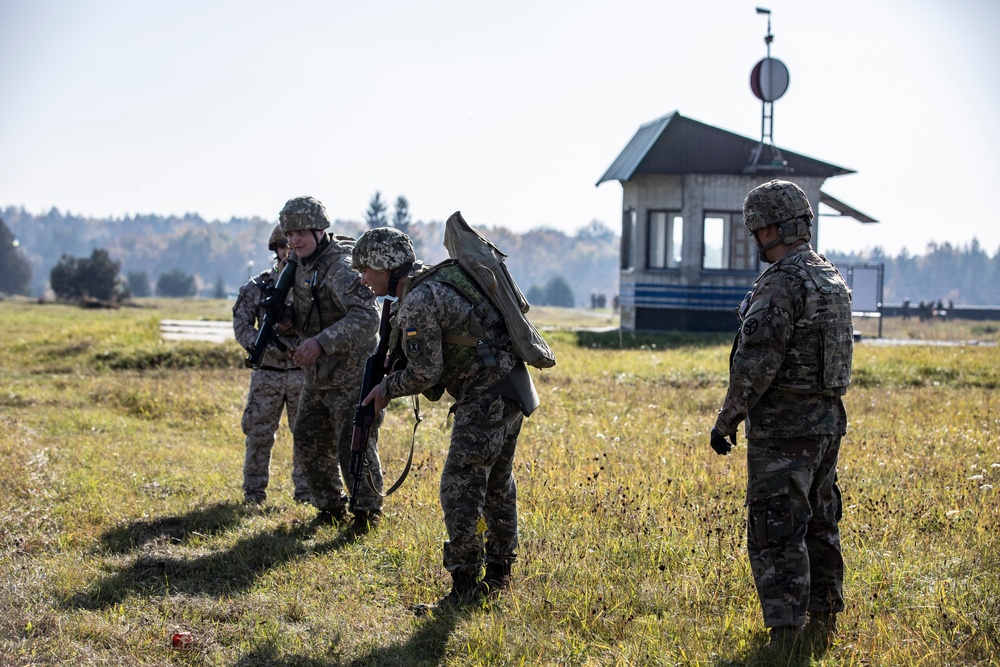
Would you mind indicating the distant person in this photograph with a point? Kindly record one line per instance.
(906, 309)
(790, 366)
(336, 320)
(951, 309)
(441, 343)
(922, 311)
(274, 388)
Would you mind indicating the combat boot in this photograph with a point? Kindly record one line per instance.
(365, 521)
(497, 578)
(784, 639)
(821, 628)
(466, 591)
(330, 517)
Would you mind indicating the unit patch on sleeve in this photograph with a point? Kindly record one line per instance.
(413, 342)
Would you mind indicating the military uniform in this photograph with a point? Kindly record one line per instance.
(790, 367)
(432, 328)
(331, 304)
(274, 387)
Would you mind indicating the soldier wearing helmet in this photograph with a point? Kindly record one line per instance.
(274, 387)
(790, 367)
(446, 338)
(336, 319)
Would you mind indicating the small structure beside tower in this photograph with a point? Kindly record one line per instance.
(686, 257)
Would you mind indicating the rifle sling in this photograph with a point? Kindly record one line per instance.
(409, 459)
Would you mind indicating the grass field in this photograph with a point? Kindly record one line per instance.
(120, 469)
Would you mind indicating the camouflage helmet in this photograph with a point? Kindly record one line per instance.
(277, 239)
(776, 202)
(303, 213)
(382, 249)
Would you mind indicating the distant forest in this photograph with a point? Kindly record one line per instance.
(224, 254)
(227, 253)
(965, 274)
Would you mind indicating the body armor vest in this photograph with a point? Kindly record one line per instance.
(474, 336)
(818, 356)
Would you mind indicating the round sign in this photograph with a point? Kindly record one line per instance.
(769, 79)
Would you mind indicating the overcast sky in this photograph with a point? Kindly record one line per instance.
(509, 111)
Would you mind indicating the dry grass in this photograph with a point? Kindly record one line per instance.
(120, 524)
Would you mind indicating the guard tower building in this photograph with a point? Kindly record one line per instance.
(686, 257)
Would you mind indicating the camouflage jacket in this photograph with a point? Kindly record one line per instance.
(330, 304)
(792, 358)
(427, 314)
(247, 315)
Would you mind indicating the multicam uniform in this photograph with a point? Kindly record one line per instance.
(274, 387)
(332, 305)
(791, 366)
(477, 479)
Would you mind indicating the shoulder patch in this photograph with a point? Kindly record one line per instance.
(753, 323)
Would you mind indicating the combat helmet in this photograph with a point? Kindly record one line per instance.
(382, 249)
(277, 239)
(303, 213)
(781, 203)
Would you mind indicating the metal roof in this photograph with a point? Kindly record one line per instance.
(674, 144)
(843, 209)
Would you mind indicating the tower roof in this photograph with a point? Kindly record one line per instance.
(675, 144)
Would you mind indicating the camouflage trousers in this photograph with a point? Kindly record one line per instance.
(323, 432)
(793, 541)
(477, 484)
(270, 393)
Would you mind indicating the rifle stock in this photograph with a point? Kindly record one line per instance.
(364, 415)
(273, 304)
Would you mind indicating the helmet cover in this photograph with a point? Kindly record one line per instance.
(382, 249)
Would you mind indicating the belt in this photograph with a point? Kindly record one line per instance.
(279, 370)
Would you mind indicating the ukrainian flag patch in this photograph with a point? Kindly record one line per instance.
(411, 331)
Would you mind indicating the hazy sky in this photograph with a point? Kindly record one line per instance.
(509, 111)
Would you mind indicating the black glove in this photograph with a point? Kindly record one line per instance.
(720, 443)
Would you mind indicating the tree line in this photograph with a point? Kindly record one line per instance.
(966, 275)
(187, 255)
(61, 254)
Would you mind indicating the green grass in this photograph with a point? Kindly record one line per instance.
(121, 468)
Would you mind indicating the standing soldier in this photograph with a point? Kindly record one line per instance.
(791, 364)
(336, 320)
(273, 388)
(440, 343)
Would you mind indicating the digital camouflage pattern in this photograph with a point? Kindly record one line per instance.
(331, 304)
(790, 367)
(273, 388)
(382, 249)
(477, 480)
(277, 239)
(303, 213)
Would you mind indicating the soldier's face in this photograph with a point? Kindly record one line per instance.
(302, 241)
(377, 281)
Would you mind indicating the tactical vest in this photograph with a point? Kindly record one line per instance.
(316, 313)
(475, 336)
(818, 357)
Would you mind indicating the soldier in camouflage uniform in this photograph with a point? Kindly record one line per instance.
(439, 344)
(790, 366)
(336, 320)
(273, 388)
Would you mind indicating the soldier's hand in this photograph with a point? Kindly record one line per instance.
(307, 353)
(720, 443)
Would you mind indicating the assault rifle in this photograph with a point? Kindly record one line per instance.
(274, 311)
(364, 415)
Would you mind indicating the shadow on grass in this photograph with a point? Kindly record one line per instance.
(211, 520)
(427, 647)
(219, 573)
(802, 656)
